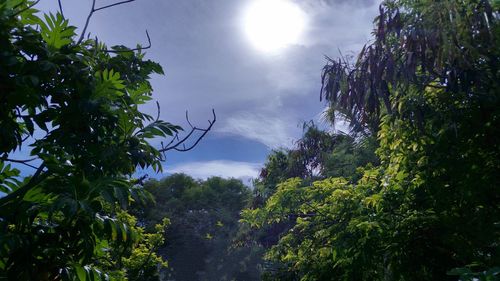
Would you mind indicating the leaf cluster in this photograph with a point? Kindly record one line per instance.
(75, 106)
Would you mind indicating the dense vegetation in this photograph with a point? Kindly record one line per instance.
(428, 89)
(410, 193)
(74, 104)
(204, 222)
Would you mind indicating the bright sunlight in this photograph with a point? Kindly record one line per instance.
(271, 25)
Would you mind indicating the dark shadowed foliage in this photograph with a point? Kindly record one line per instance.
(73, 104)
(204, 223)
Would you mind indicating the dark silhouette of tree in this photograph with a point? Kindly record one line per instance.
(73, 103)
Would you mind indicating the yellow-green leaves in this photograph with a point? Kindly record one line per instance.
(373, 201)
(330, 222)
(56, 31)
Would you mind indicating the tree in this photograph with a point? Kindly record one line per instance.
(428, 86)
(74, 102)
(204, 217)
(315, 156)
(139, 262)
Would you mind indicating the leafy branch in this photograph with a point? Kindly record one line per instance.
(37, 178)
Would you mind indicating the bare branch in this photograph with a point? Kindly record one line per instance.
(60, 8)
(114, 4)
(158, 108)
(182, 142)
(187, 119)
(176, 137)
(134, 49)
(24, 162)
(93, 10)
(179, 142)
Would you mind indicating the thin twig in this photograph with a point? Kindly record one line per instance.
(134, 49)
(187, 119)
(205, 131)
(158, 108)
(24, 162)
(91, 13)
(176, 137)
(61, 8)
(193, 129)
(112, 5)
(27, 8)
(92, 10)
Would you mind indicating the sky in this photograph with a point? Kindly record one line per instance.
(261, 98)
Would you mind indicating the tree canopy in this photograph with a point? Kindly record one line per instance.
(73, 104)
(410, 193)
(428, 88)
(204, 224)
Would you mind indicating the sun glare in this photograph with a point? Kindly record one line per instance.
(271, 25)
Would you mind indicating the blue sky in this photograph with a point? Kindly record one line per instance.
(261, 99)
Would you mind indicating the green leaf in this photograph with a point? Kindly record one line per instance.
(108, 84)
(80, 273)
(55, 30)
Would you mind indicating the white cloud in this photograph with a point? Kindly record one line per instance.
(209, 63)
(222, 168)
(273, 132)
(340, 24)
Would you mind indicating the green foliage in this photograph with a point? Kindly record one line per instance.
(75, 105)
(8, 178)
(204, 217)
(428, 86)
(143, 261)
(317, 154)
(56, 31)
(328, 218)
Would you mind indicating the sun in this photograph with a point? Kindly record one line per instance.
(271, 25)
